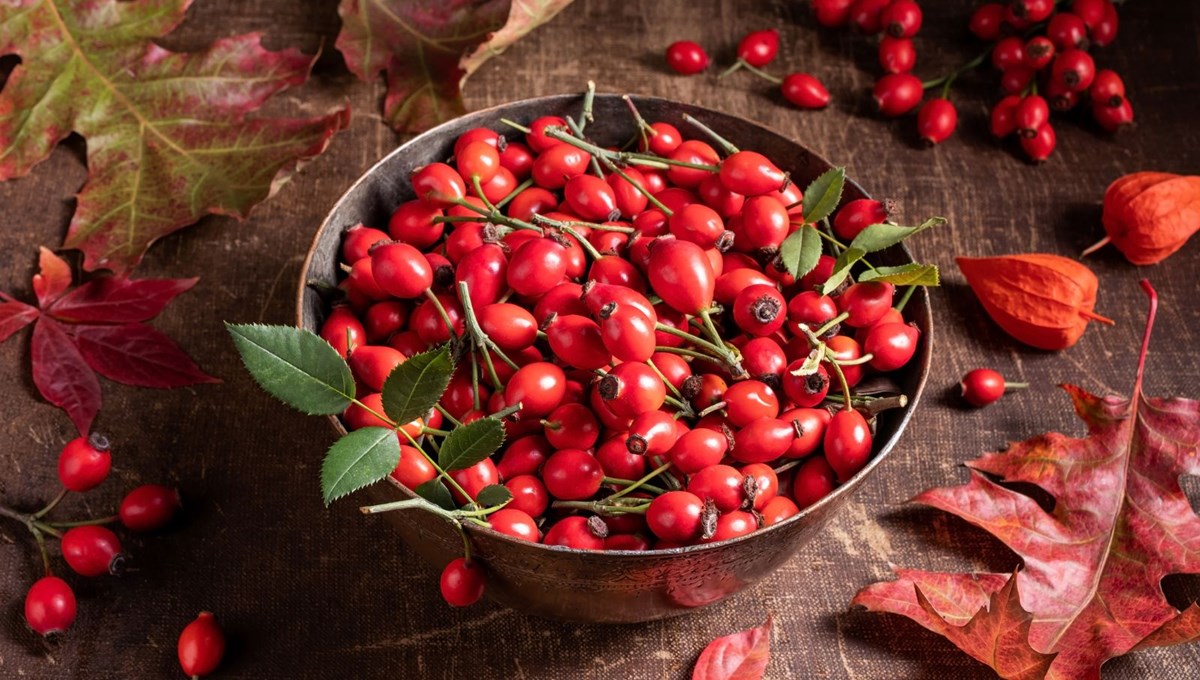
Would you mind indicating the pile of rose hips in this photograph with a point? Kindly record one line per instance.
(660, 374)
(1041, 54)
(755, 51)
(89, 548)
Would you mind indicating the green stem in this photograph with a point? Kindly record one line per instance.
(694, 339)
(577, 129)
(679, 404)
(736, 65)
(866, 358)
(506, 411)
(763, 74)
(830, 324)
(566, 228)
(600, 508)
(382, 416)
(634, 487)
(513, 194)
(626, 482)
(52, 504)
(589, 96)
(475, 382)
(41, 543)
(711, 408)
(433, 300)
(515, 125)
(644, 129)
(674, 390)
(479, 192)
(446, 414)
(641, 189)
(908, 293)
(725, 144)
(98, 521)
(1015, 385)
(441, 473)
(950, 77)
(626, 157)
(434, 431)
(683, 351)
(841, 378)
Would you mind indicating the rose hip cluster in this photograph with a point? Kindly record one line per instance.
(660, 375)
(1041, 54)
(89, 548)
(755, 51)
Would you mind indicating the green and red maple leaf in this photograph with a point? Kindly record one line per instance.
(426, 49)
(1090, 588)
(168, 135)
(97, 327)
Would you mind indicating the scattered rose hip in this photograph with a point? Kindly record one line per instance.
(201, 646)
(1041, 49)
(983, 386)
(756, 50)
(88, 547)
(598, 360)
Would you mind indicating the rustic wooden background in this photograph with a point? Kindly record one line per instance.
(310, 593)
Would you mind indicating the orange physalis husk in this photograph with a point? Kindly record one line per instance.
(1149, 215)
(1044, 301)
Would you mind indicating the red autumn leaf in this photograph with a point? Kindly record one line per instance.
(114, 299)
(168, 138)
(1090, 589)
(112, 342)
(136, 354)
(740, 656)
(62, 375)
(427, 48)
(14, 316)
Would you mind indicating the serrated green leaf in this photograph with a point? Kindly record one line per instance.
(841, 268)
(812, 362)
(801, 251)
(493, 495)
(471, 443)
(877, 237)
(295, 366)
(360, 458)
(911, 274)
(417, 384)
(822, 196)
(435, 492)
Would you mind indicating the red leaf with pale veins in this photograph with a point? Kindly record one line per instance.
(740, 656)
(427, 48)
(168, 137)
(62, 375)
(1094, 565)
(136, 354)
(52, 279)
(111, 299)
(14, 316)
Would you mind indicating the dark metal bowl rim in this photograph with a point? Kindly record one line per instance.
(849, 484)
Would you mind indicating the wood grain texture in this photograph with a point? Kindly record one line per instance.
(310, 593)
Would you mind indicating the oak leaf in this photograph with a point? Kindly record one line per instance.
(1090, 588)
(168, 138)
(426, 49)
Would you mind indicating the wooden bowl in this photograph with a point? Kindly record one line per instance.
(583, 585)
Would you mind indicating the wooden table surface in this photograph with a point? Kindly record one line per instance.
(307, 592)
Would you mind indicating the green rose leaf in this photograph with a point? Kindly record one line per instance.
(435, 492)
(877, 237)
(841, 268)
(471, 443)
(801, 251)
(295, 366)
(360, 458)
(417, 384)
(821, 197)
(912, 274)
(493, 495)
